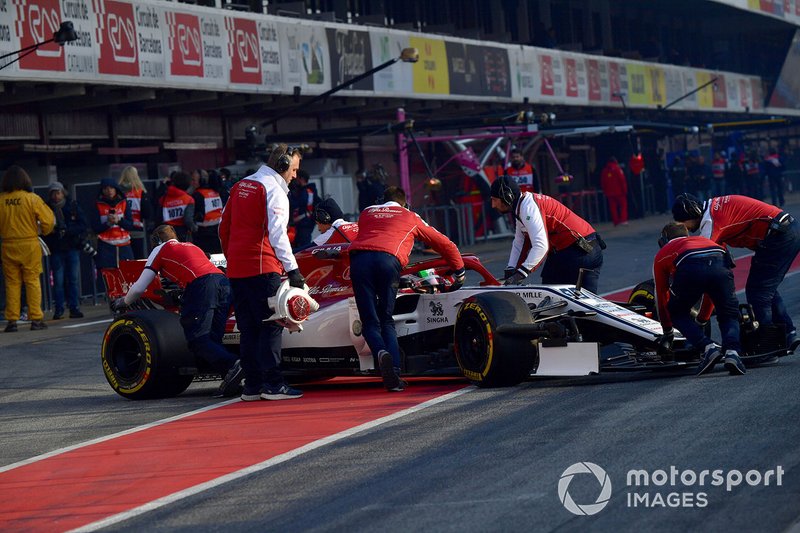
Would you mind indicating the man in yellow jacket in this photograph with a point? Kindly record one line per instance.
(23, 215)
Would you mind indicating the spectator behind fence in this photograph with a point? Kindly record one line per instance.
(177, 206)
(65, 243)
(207, 214)
(23, 215)
(140, 207)
(111, 221)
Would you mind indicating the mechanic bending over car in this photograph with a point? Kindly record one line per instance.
(744, 222)
(254, 238)
(685, 269)
(547, 229)
(386, 234)
(206, 301)
(333, 228)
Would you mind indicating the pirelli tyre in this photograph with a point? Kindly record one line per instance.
(644, 294)
(144, 355)
(485, 357)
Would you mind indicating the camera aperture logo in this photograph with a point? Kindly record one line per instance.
(588, 508)
(664, 488)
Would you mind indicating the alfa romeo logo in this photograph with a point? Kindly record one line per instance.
(589, 508)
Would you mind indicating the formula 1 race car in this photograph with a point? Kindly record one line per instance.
(491, 334)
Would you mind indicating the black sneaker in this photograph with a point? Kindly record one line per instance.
(75, 313)
(284, 392)
(232, 382)
(391, 380)
(248, 397)
(58, 315)
(792, 342)
(401, 387)
(733, 363)
(11, 327)
(711, 357)
(36, 325)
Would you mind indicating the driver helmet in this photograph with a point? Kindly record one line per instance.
(428, 281)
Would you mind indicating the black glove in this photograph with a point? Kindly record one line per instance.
(118, 305)
(327, 254)
(296, 279)
(508, 272)
(458, 279)
(517, 277)
(664, 341)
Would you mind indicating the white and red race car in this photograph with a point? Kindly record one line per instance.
(491, 334)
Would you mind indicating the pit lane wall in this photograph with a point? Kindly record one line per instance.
(165, 44)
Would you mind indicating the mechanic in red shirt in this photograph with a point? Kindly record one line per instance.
(546, 228)
(744, 222)
(333, 228)
(685, 269)
(254, 237)
(386, 234)
(206, 301)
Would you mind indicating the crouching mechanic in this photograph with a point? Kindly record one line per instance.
(547, 229)
(386, 234)
(206, 301)
(333, 228)
(743, 222)
(685, 269)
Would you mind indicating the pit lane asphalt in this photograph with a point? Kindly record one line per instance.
(488, 460)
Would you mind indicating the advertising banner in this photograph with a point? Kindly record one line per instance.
(350, 56)
(430, 72)
(163, 44)
(386, 45)
(271, 75)
(244, 50)
(524, 74)
(307, 63)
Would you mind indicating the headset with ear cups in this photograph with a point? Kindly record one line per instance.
(663, 240)
(507, 195)
(283, 163)
(322, 216)
(688, 205)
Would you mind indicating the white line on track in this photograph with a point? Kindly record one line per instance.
(87, 324)
(278, 459)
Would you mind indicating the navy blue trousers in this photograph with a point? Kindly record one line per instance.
(204, 312)
(695, 277)
(376, 277)
(260, 345)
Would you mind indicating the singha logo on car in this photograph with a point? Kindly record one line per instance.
(437, 312)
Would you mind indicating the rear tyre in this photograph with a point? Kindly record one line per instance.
(144, 355)
(487, 358)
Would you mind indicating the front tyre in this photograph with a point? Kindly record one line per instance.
(644, 294)
(144, 355)
(487, 358)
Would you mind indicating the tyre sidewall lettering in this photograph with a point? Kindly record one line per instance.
(141, 335)
(475, 307)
